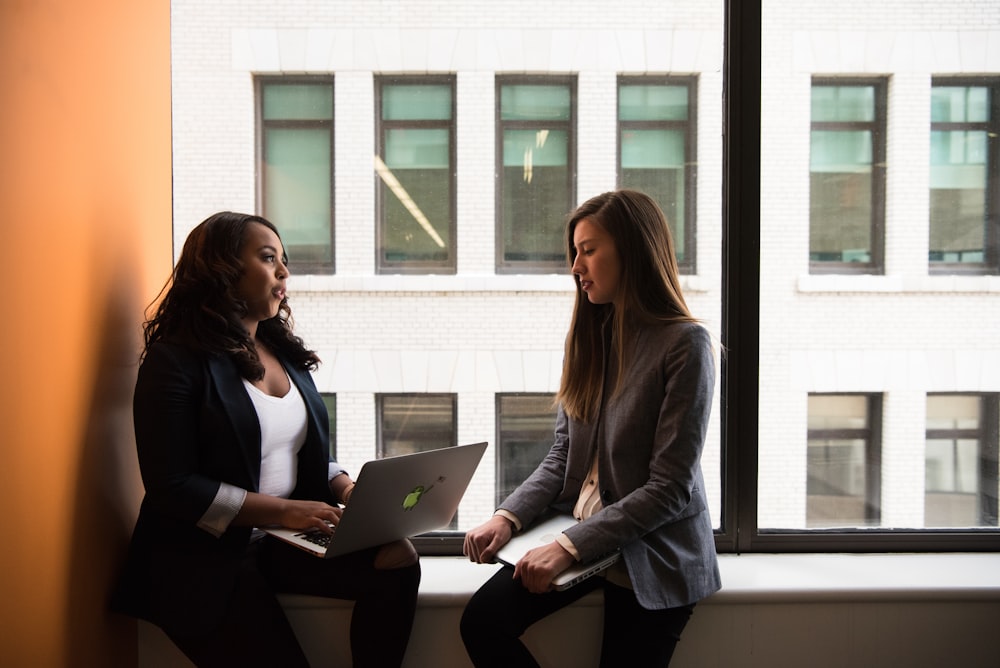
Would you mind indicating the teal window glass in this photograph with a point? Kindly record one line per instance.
(536, 149)
(297, 169)
(656, 153)
(416, 177)
(845, 188)
(959, 175)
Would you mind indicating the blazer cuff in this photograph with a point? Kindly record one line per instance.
(507, 515)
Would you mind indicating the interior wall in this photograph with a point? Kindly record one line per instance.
(85, 209)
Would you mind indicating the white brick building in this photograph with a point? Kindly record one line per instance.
(475, 333)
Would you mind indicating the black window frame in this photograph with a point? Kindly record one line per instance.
(380, 446)
(878, 128)
(409, 267)
(503, 435)
(504, 266)
(259, 82)
(689, 265)
(991, 234)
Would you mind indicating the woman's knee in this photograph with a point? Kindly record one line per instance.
(399, 554)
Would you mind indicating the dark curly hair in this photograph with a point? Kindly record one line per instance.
(199, 306)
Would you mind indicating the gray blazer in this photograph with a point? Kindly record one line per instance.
(649, 441)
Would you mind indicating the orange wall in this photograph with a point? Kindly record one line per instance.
(85, 214)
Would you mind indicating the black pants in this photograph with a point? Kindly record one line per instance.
(502, 610)
(255, 631)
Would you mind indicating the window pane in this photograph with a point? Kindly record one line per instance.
(297, 102)
(410, 423)
(960, 474)
(416, 422)
(536, 195)
(331, 412)
(652, 103)
(535, 148)
(844, 211)
(297, 190)
(415, 176)
(838, 476)
(525, 425)
(959, 177)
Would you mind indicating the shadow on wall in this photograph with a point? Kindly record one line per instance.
(108, 489)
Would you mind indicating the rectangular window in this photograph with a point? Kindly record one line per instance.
(295, 153)
(964, 208)
(525, 427)
(961, 481)
(415, 173)
(536, 151)
(843, 461)
(330, 400)
(414, 423)
(847, 176)
(656, 151)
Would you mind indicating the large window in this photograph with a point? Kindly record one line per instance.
(415, 174)
(843, 462)
(524, 435)
(847, 176)
(965, 169)
(961, 461)
(536, 149)
(296, 167)
(656, 151)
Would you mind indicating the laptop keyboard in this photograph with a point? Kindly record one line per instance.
(317, 537)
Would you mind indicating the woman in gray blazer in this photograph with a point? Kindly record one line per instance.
(232, 436)
(634, 403)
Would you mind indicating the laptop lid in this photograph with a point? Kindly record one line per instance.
(396, 497)
(544, 532)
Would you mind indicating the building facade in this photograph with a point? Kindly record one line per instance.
(419, 158)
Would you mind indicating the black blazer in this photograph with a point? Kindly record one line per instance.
(195, 427)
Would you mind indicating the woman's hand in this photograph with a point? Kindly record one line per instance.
(310, 515)
(261, 510)
(540, 565)
(481, 544)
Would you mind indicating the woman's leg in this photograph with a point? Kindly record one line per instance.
(382, 584)
(253, 632)
(645, 637)
(502, 610)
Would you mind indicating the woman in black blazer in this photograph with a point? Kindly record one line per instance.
(232, 435)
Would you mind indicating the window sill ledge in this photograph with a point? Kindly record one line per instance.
(448, 582)
(869, 283)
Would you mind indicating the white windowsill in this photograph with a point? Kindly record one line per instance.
(766, 578)
(557, 283)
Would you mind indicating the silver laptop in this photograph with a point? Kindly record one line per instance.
(545, 532)
(395, 497)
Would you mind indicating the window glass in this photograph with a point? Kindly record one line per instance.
(961, 208)
(839, 470)
(960, 472)
(415, 176)
(536, 176)
(524, 435)
(656, 152)
(844, 212)
(297, 169)
(331, 412)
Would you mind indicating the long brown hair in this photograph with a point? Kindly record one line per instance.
(200, 306)
(649, 292)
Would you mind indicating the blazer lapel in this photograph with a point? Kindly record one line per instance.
(242, 416)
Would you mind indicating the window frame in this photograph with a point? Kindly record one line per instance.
(570, 81)
(878, 128)
(380, 449)
(261, 126)
(991, 235)
(689, 266)
(410, 267)
(871, 434)
(987, 436)
(501, 435)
